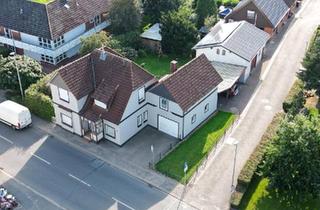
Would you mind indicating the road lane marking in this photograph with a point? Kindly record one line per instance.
(6, 139)
(33, 190)
(122, 203)
(79, 180)
(40, 158)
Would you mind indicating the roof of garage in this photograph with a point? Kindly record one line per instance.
(229, 73)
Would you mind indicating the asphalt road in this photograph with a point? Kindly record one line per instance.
(45, 173)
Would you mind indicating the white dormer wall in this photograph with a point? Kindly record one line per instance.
(229, 58)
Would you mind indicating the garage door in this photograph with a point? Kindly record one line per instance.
(168, 126)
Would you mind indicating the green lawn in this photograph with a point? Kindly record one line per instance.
(259, 197)
(194, 149)
(159, 66)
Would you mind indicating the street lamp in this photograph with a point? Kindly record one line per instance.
(12, 55)
(235, 143)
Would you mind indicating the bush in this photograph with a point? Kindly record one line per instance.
(4, 51)
(131, 39)
(250, 168)
(295, 100)
(37, 99)
(227, 3)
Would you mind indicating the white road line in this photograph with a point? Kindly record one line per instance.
(7, 140)
(126, 205)
(33, 190)
(79, 180)
(40, 158)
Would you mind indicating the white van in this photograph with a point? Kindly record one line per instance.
(15, 115)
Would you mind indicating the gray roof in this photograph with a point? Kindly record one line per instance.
(152, 33)
(230, 74)
(242, 38)
(274, 10)
(49, 20)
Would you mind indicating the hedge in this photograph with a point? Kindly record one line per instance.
(250, 168)
(227, 3)
(295, 100)
(37, 99)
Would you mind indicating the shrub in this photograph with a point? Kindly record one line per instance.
(250, 168)
(227, 3)
(37, 99)
(4, 51)
(295, 100)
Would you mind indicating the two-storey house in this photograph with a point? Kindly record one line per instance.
(268, 15)
(50, 32)
(103, 95)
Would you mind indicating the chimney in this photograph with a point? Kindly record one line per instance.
(173, 66)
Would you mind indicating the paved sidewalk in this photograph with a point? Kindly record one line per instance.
(257, 102)
(149, 176)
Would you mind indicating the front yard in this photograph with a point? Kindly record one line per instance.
(159, 65)
(195, 148)
(260, 197)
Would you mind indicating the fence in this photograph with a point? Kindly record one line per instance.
(202, 165)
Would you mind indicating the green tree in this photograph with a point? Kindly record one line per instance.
(153, 9)
(204, 9)
(29, 70)
(178, 31)
(293, 158)
(311, 62)
(94, 41)
(124, 16)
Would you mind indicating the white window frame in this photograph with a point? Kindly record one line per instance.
(145, 116)
(8, 33)
(58, 41)
(100, 104)
(45, 43)
(110, 131)
(139, 120)
(160, 103)
(47, 59)
(206, 108)
(193, 118)
(141, 94)
(251, 14)
(64, 95)
(66, 120)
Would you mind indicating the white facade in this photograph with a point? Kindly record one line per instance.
(221, 54)
(72, 40)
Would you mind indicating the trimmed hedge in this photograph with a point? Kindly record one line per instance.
(295, 100)
(227, 3)
(37, 99)
(250, 169)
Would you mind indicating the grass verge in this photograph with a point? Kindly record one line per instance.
(195, 148)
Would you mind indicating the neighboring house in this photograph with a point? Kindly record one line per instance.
(152, 38)
(268, 15)
(50, 32)
(237, 43)
(180, 102)
(103, 95)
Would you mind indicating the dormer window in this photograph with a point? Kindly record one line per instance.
(100, 104)
(96, 20)
(141, 94)
(64, 95)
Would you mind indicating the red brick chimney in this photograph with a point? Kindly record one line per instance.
(173, 66)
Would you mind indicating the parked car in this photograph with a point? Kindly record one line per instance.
(15, 115)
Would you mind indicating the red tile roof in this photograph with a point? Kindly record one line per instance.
(190, 83)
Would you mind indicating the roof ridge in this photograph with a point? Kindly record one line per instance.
(233, 31)
(50, 29)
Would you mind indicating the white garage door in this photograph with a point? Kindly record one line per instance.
(168, 126)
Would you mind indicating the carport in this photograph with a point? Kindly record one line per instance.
(231, 75)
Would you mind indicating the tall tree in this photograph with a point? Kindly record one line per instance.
(204, 9)
(293, 158)
(153, 9)
(311, 62)
(94, 41)
(124, 16)
(178, 31)
(29, 70)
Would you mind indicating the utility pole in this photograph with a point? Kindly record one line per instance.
(12, 55)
